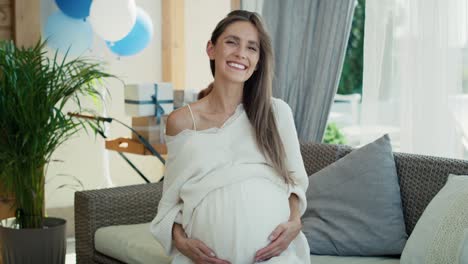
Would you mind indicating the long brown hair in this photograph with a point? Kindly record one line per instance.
(258, 92)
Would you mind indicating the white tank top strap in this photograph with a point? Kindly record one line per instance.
(193, 119)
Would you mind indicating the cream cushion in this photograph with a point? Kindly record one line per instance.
(316, 259)
(132, 244)
(438, 233)
(463, 250)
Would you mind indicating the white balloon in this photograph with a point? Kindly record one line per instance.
(112, 20)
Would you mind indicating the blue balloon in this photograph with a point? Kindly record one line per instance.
(63, 33)
(138, 38)
(74, 8)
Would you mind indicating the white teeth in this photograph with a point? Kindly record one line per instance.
(238, 66)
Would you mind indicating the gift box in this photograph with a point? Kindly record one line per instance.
(149, 128)
(149, 99)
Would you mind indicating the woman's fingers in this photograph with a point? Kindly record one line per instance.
(275, 242)
(207, 255)
(262, 252)
(281, 237)
(205, 249)
(277, 232)
(272, 250)
(270, 255)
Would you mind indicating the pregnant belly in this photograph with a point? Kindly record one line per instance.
(236, 220)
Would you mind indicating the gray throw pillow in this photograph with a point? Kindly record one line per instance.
(354, 205)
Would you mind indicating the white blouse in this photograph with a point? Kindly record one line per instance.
(201, 161)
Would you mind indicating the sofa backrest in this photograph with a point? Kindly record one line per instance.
(421, 177)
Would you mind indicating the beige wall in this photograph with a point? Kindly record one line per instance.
(201, 17)
(84, 157)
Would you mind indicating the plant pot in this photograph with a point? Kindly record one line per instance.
(30, 246)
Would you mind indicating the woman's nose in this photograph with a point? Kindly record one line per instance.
(241, 54)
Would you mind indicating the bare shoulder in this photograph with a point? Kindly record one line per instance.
(178, 120)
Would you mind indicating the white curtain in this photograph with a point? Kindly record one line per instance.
(413, 75)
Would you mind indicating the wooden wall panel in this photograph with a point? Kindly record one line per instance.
(6, 208)
(27, 22)
(235, 4)
(173, 43)
(6, 17)
(6, 33)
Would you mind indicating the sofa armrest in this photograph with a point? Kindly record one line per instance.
(114, 206)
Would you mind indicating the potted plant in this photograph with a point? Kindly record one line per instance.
(34, 90)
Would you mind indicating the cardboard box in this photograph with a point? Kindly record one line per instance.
(179, 98)
(148, 128)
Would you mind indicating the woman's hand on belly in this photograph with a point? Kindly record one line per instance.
(280, 239)
(194, 249)
(198, 252)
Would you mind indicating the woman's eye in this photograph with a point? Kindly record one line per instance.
(253, 48)
(230, 42)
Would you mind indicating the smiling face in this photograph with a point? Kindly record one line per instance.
(236, 52)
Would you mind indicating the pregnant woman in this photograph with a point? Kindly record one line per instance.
(235, 183)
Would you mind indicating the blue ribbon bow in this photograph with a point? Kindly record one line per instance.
(159, 110)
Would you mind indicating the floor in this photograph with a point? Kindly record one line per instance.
(71, 257)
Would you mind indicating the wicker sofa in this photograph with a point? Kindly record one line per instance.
(421, 177)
